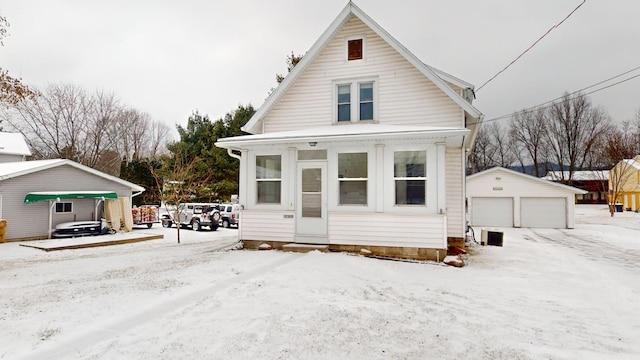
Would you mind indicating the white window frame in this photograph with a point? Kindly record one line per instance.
(346, 48)
(355, 99)
(62, 203)
(365, 179)
(424, 179)
(432, 182)
(259, 180)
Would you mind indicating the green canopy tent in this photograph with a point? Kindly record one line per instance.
(55, 196)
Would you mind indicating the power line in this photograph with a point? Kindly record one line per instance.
(549, 103)
(531, 46)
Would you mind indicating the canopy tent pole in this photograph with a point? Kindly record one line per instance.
(52, 203)
(95, 211)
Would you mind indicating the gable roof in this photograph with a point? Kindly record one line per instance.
(13, 144)
(526, 177)
(19, 168)
(436, 76)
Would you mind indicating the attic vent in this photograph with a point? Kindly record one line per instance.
(354, 49)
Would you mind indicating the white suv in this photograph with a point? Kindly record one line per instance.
(195, 215)
(230, 214)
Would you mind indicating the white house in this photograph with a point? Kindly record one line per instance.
(506, 198)
(13, 147)
(361, 146)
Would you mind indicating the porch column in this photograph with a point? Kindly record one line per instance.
(441, 178)
(379, 178)
(291, 189)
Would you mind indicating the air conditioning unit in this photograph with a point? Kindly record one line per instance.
(491, 237)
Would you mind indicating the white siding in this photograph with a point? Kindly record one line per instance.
(379, 229)
(405, 96)
(506, 184)
(543, 212)
(455, 199)
(32, 220)
(267, 225)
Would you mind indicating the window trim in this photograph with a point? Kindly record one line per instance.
(346, 48)
(424, 178)
(265, 180)
(345, 179)
(355, 99)
(63, 203)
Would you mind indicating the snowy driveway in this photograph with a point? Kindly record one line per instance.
(547, 294)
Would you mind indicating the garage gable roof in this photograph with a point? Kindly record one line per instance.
(497, 170)
(19, 168)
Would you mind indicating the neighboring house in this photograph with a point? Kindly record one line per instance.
(506, 198)
(36, 195)
(361, 146)
(624, 181)
(594, 182)
(13, 147)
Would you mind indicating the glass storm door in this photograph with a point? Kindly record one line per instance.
(311, 209)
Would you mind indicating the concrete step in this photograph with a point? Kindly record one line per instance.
(304, 248)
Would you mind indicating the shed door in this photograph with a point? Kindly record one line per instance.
(492, 212)
(543, 212)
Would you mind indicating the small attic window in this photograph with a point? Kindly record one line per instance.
(354, 49)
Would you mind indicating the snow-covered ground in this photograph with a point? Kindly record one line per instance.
(546, 294)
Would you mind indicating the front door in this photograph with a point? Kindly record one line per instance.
(311, 202)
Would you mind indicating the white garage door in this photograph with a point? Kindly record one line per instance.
(492, 212)
(543, 212)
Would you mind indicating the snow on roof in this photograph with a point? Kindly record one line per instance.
(633, 162)
(13, 144)
(345, 132)
(18, 168)
(527, 177)
(582, 175)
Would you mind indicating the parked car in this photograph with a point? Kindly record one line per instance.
(194, 215)
(230, 215)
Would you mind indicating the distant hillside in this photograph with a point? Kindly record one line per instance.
(543, 168)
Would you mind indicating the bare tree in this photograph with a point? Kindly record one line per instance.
(527, 132)
(622, 178)
(504, 151)
(177, 181)
(12, 90)
(573, 129)
(482, 154)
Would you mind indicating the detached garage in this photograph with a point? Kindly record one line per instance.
(505, 198)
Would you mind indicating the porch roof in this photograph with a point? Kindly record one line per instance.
(348, 132)
(59, 195)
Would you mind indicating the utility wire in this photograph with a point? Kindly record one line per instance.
(531, 46)
(549, 103)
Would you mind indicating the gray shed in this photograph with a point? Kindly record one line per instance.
(505, 198)
(30, 221)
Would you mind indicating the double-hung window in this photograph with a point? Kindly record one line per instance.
(268, 179)
(355, 101)
(352, 178)
(410, 177)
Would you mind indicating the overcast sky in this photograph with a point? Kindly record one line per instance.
(168, 58)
